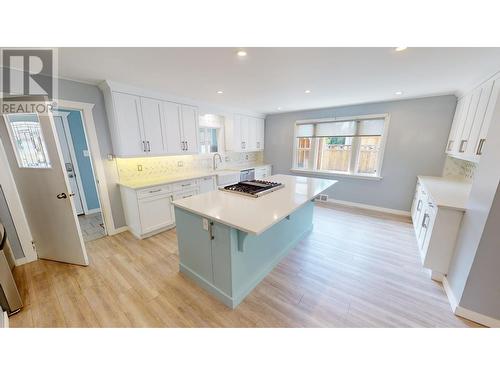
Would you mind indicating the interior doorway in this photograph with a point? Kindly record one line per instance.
(75, 151)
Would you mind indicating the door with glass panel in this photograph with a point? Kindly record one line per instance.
(35, 159)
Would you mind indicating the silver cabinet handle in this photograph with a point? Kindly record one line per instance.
(144, 146)
(211, 231)
(242, 145)
(450, 143)
(155, 191)
(462, 144)
(182, 146)
(480, 146)
(187, 146)
(424, 224)
(149, 146)
(419, 205)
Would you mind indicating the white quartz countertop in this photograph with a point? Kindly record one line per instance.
(447, 192)
(255, 215)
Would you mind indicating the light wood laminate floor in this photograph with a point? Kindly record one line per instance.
(356, 269)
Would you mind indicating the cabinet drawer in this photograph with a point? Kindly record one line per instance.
(185, 185)
(154, 191)
(186, 194)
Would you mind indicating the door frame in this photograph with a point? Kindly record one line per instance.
(71, 147)
(89, 129)
(16, 209)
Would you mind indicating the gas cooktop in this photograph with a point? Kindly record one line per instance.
(253, 188)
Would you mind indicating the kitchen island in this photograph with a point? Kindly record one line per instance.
(229, 242)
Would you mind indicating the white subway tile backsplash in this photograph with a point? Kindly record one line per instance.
(459, 168)
(161, 166)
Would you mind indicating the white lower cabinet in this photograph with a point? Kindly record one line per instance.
(436, 230)
(149, 211)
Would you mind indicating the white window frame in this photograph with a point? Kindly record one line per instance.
(320, 173)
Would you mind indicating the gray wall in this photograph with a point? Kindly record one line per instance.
(81, 92)
(474, 275)
(418, 132)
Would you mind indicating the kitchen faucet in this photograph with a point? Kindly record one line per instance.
(214, 161)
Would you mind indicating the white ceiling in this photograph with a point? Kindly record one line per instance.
(268, 78)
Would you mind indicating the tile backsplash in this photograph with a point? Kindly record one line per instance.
(459, 168)
(162, 166)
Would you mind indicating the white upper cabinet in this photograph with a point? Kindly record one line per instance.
(172, 137)
(152, 125)
(189, 129)
(149, 126)
(127, 137)
(245, 134)
(472, 120)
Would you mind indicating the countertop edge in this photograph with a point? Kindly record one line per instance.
(440, 205)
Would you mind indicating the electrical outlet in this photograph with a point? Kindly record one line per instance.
(246, 157)
(139, 167)
(180, 163)
(205, 224)
(322, 198)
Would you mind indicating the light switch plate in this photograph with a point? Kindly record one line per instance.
(205, 224)
(86, 153)
(139, 167)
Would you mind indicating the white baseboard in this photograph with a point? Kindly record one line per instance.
(466, 313)
(449, 293)
(485, 320)
(368, 207)
(117, 230)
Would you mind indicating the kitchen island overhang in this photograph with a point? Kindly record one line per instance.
(228, 243)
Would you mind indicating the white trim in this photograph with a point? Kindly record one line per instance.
(16, 209)
(5, 320)
(449, 294)
(466, 313)
(340, 119)
(367, 207)
(380, 159)
(485, 320)
(95, 159)
(71, 147)
(120, 230)
(335, 174)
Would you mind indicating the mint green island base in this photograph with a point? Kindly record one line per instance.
(228, 262)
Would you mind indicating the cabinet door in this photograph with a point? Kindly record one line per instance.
(152, 123)
(469, 120)
(480, 139)
(260, 173)
(252, 134)
(260, 134)
(129, 130)
(155, 213)
(482, 107)
(457, 120)
(190, 129)
(234, 141)
(172, 128)
(244, 133)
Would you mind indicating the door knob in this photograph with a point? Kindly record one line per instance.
(61, 196)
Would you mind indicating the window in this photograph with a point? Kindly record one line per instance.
(210, 126)
(352, 146)
(27, 140)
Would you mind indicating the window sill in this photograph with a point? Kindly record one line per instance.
(335, 174)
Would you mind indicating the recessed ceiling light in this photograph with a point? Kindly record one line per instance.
(220, 92)
(279, 108)
(307, 91)
(399, 93)
(399, 49)
(241, 53)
